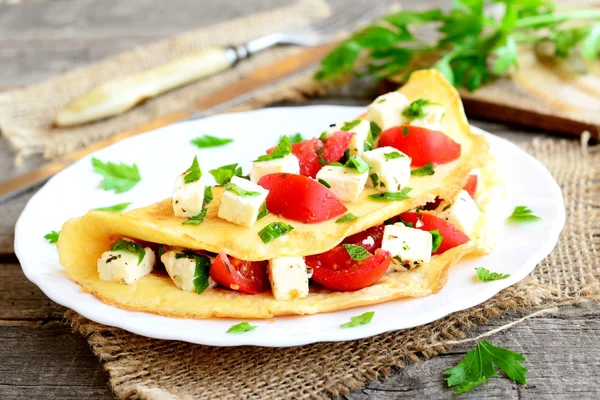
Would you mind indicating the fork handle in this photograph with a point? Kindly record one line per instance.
(121, 94)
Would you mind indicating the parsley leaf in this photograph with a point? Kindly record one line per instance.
(117, 208)
(523, 214)
(210, 141)
(295, 138)
(283, 149)
(346, 218)
(52, 237)
(478, 366)
(196, 219)
(425, 170)
(120, 177)
(262, 211)
(392, 196)
(375, 130)
(208, 195)
(485, 275)
(361, 319)
(193, 173)
(201, 270)
(357, 253)
(405, 131)
(129, 246)
(324, 183)
(436, 240)
(241, 327)
(273, 231)
(357, 163)
(348, 126)
(374, 179)
(224, 174)
(393, 155)
(232, 187)
(415, 110)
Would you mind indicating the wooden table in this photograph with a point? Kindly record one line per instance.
(39, 356)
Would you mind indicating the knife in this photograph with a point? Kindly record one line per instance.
(229, 96)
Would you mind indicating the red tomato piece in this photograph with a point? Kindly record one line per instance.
(300, 198)
(451, 236)
(471, 185)
(335, 146)
(358, 239)
(306, 151)
(243, 276)
(335, 269)
(421, 144)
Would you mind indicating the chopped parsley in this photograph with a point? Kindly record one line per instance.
(262, 212)
(295, 138)
(193, 173)
(416, 109)
(52, 237)
(344, 219)
(224, 174)
(196, 219)
(523, 214)
(393, 155)
(232, 187)
(485, 275)
(478, 366)
(357, 253)
(201, 271)
(368, 145)
(273, 231)
(118, 177)
(129, 246)
(405, 131)
(374, 179)
(436, 240)
(348, 126)
(210, 141)
(117, 208)
(361, 319)
(406, 223)
(241, 327)
(283, 149)
(208, 195)
(357, 163)
(375, 129)
(325, 183)
(392, 196)
(425, 170)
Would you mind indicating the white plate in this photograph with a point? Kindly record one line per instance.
(163, 153)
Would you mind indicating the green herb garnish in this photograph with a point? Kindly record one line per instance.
(117, 208)
(415, 110)
(283, 149)
(357, 163)
(196, 219)
(375, 130)
(129, 246)
(425, 170)
(273, 231)
(201, 272)
(210, 141)
(241, 327)
(357, 253)
(208, 195)
(405, 131)
(295, 138)
(392, 196)
(232, 187)
(436, 240)
(523, 214)
(262, 211)
(361, 319)
(374, 179)
(346, 218)
(224, 174)
(348, 126)
(52, 237)
(485, 275)
(478, 366)
(325, 183)
(193, 173)
(393, 155)
(118, 177)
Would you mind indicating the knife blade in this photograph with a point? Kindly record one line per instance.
(230, 95)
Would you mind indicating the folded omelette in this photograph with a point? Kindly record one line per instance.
(373, 210)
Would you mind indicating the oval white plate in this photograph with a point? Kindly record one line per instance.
(164, 153)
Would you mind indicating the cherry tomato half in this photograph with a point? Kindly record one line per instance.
(471, 185)
(335, 146)
(451, 236)
(243, 276)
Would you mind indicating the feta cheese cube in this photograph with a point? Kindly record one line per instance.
(289, 278)
(360, 134)
(386, 110)
(346, 183)
(242, 210)
(463, 213)
(182, 270)
(390, 169)
(432, 118)
(188, 198)
(122, 266)
(409, 247)
(289, 164)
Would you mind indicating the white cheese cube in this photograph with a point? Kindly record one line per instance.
(289, 164)
(386, 110)
(289, 278)
(360, 134)
(122, 266)
(388, 173)
(181, 270)
(463, 213)
(346, 183)
(409, 247)
(188, 198)
(432, 118)
(242, 210)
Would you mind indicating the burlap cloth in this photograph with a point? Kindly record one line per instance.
(146, 368)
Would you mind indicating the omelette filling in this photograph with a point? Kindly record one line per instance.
(309, 182)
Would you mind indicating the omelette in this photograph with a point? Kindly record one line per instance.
(375, 209)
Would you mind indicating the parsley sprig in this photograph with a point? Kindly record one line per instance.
(118, 177)
(485, 275)
(473, 45)
(52, 237)
(523, 214)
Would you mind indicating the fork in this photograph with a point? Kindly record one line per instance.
(122, 94)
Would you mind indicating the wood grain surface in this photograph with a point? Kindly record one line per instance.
(39, 356)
